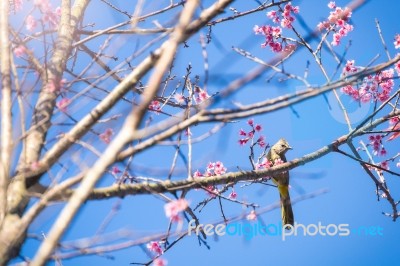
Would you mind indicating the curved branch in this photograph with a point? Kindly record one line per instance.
(122, 190)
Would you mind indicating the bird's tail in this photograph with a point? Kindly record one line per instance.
(286, 206)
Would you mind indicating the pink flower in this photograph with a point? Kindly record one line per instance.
(264, 164)
(219, 168)
(216, 168)
(212, 191)
(233, 195)
(106, 136)
(323, 25)
(200, 95)
(155, 107)
(160, 262)
(338, 19)
(30, 23)
(115, 170)
(252, 216)
(155, 247)
(397, 41)
(43, 5)
(19, 51)
(58, 11)
(394, 120)
(332, 5)
(197, 174)
(173, 208)
(349, 68)
(242, 132)
(384, 165)
(17, 5)
(258, 127)
(270, 33)
(179, 98)
(250, 122)
(62, 104)
(243, 142)
(271, 14)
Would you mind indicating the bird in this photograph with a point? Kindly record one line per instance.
(275, 156)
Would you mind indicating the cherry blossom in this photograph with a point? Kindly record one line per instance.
(106, 136)
(160, 262)
(273, 34)
(20, 51)
(245, 137)
(17, 5)
(179, 98)
(332, 5)
(233, 195)
(155, 106)
(155, 247)
(115, 170)
(397, 41)
(252, 216)
(338, 21)
(375, 87)
(200, 95)
(173, 208)
(30, 23)
(62, 104)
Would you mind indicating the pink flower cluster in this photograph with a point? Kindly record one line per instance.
(286, 18)
(19, 51)
(155, 247)
(384, 165)
(155, 106)
(265, 163)
(17, 5)
(213, 169)
(30, 23)
(376, 143)
(271, 33)
(245, 137)
(200, 95)
(337, 21)
(49, 16)
(374, 87)
(174, 208)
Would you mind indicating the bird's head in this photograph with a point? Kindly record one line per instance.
(281, 147)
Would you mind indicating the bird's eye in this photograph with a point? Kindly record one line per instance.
(283, 146)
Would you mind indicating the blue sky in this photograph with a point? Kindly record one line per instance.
(351, 199)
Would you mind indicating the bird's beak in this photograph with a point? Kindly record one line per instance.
(290, 148)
